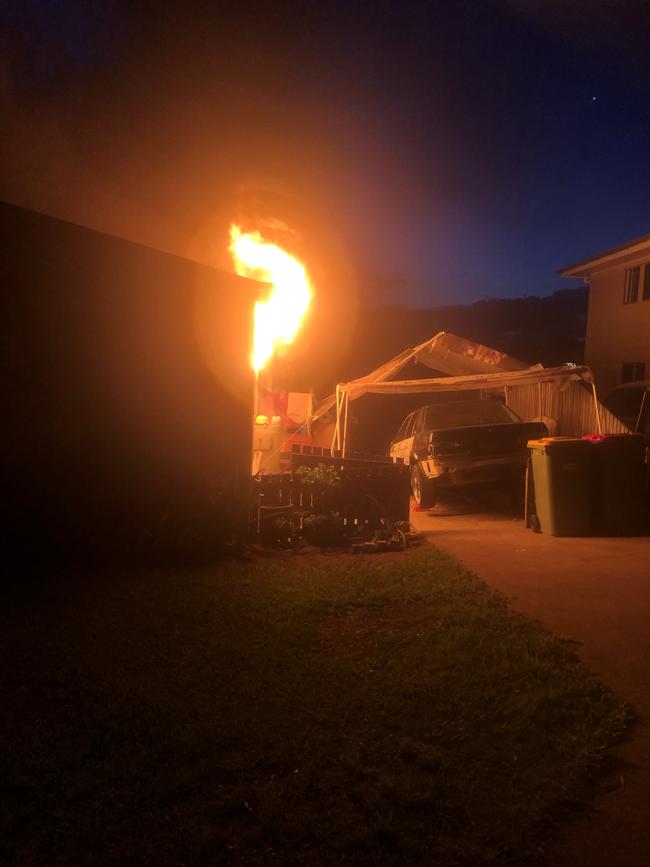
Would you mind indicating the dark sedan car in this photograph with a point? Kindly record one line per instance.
(463, 443)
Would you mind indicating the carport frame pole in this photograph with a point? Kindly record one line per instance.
(640, 415)
(346, 405)
(336, 437)
(342, 405)
(598, 423)
(256, 407)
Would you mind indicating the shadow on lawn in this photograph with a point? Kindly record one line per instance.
(293, 711)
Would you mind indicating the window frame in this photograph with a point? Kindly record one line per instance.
(631, 284)
(405, 428)
(645, 295)
(635, 369)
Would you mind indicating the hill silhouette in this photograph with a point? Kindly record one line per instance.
(548, 329)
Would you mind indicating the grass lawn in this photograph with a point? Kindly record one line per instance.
(332, 710)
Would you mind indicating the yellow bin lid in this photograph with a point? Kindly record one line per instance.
(544, 442)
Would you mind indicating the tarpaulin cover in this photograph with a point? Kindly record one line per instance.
(469, 383)
(444, 352)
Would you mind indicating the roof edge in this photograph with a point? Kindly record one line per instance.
(581, 268)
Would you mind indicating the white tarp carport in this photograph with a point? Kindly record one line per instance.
(472, 367)
(444, 352)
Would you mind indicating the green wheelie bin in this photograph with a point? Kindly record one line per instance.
(619, 484)
(562, 476)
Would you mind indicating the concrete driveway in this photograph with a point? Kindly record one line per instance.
(595, 591)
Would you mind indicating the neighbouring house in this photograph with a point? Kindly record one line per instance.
(617, 345)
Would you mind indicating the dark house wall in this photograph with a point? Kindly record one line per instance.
(127, 395)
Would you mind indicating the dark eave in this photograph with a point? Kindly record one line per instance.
(582, 268)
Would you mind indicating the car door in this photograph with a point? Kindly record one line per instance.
(402, 445)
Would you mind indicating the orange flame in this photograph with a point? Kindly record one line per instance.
(278, 318)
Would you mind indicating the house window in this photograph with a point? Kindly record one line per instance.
(646, 282)
(632, 370)
(631, 291)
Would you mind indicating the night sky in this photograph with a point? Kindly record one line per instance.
(471, 147)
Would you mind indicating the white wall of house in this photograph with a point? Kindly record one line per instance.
(618, 333)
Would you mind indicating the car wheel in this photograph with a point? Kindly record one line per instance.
(423, 489)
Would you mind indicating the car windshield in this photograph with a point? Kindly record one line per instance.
(465, 413)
